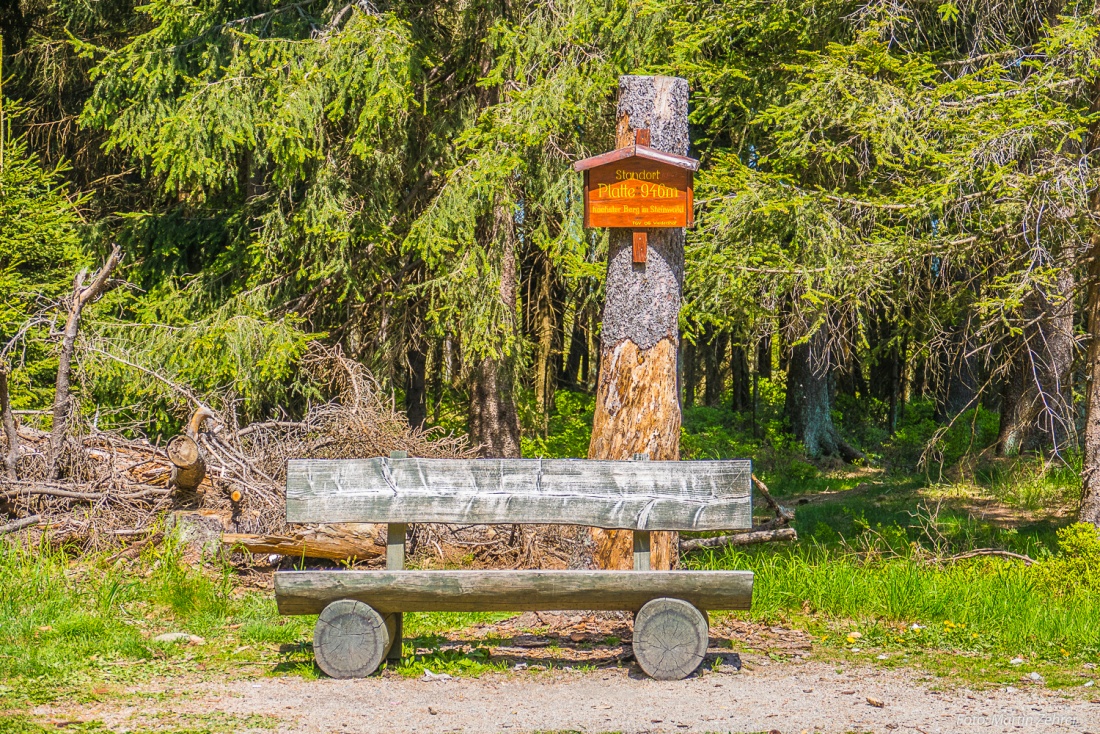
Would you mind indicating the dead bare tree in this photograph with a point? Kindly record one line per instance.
(11, 455)
(82, 296)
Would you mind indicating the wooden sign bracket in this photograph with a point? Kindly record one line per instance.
(641, 241)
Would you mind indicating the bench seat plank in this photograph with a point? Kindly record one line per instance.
(639, 495)
(307, 592)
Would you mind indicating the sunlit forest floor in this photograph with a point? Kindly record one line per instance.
(872, 581)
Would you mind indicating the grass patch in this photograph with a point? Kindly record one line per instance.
(971, 619)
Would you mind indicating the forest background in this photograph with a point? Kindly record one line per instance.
(891, 300)
(894, 263)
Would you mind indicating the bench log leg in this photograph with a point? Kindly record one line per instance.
(351, 639)
(396, 533)
(670, 638)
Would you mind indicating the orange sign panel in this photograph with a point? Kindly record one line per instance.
(636, 192)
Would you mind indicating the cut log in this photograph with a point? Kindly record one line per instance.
(332, 547)
(750, 538)
(637, 403)
(188, 465)
(670, 638)
(350, 639)
(308, 592)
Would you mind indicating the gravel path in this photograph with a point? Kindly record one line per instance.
(784, 697)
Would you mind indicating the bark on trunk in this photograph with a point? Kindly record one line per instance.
(637, 400)
(494, 421)
(1037, 406)
(809, 400)
(82, 296)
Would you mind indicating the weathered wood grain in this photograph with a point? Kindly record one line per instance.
(670, 638)
(350, 639)
(655, 495)
(307, 592)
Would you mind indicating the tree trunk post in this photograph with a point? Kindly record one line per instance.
(637, 396)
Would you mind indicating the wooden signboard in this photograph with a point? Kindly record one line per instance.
(638, 187)
(638, 192)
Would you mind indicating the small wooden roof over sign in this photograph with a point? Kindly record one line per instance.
(640, 188)
(637, 151)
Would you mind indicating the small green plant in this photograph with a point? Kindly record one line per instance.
(1076, 568)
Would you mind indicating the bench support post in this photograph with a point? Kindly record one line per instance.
(642, 555)
(396, 533)
(395, 561)
(641, 550)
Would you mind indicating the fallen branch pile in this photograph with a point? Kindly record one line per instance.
(110, 484)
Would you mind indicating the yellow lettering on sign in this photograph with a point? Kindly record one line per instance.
(621, 175)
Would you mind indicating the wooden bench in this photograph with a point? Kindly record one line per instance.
(360, 611)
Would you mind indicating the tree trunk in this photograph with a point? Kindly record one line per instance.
(1090, 475)
(494, 421)
(764, 357)
(416, 358)
(715, 363)
(417, 361)
(1037, 406)
(809, 400)
(960, 376)
(1090, 495)
(541, 311)
(437, 379)
(578, 348)
(691, 374)
(739, 378)
(637, 400)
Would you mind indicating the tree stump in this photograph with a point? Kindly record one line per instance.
(188, 466)
(670, 638)
(351, 639)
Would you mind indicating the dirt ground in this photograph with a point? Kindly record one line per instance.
(781, 697)
(575, 672)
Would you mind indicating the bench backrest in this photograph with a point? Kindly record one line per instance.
(636, 495)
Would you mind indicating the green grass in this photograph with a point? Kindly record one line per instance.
(83, 629)
(968, 619)
(163, 723)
